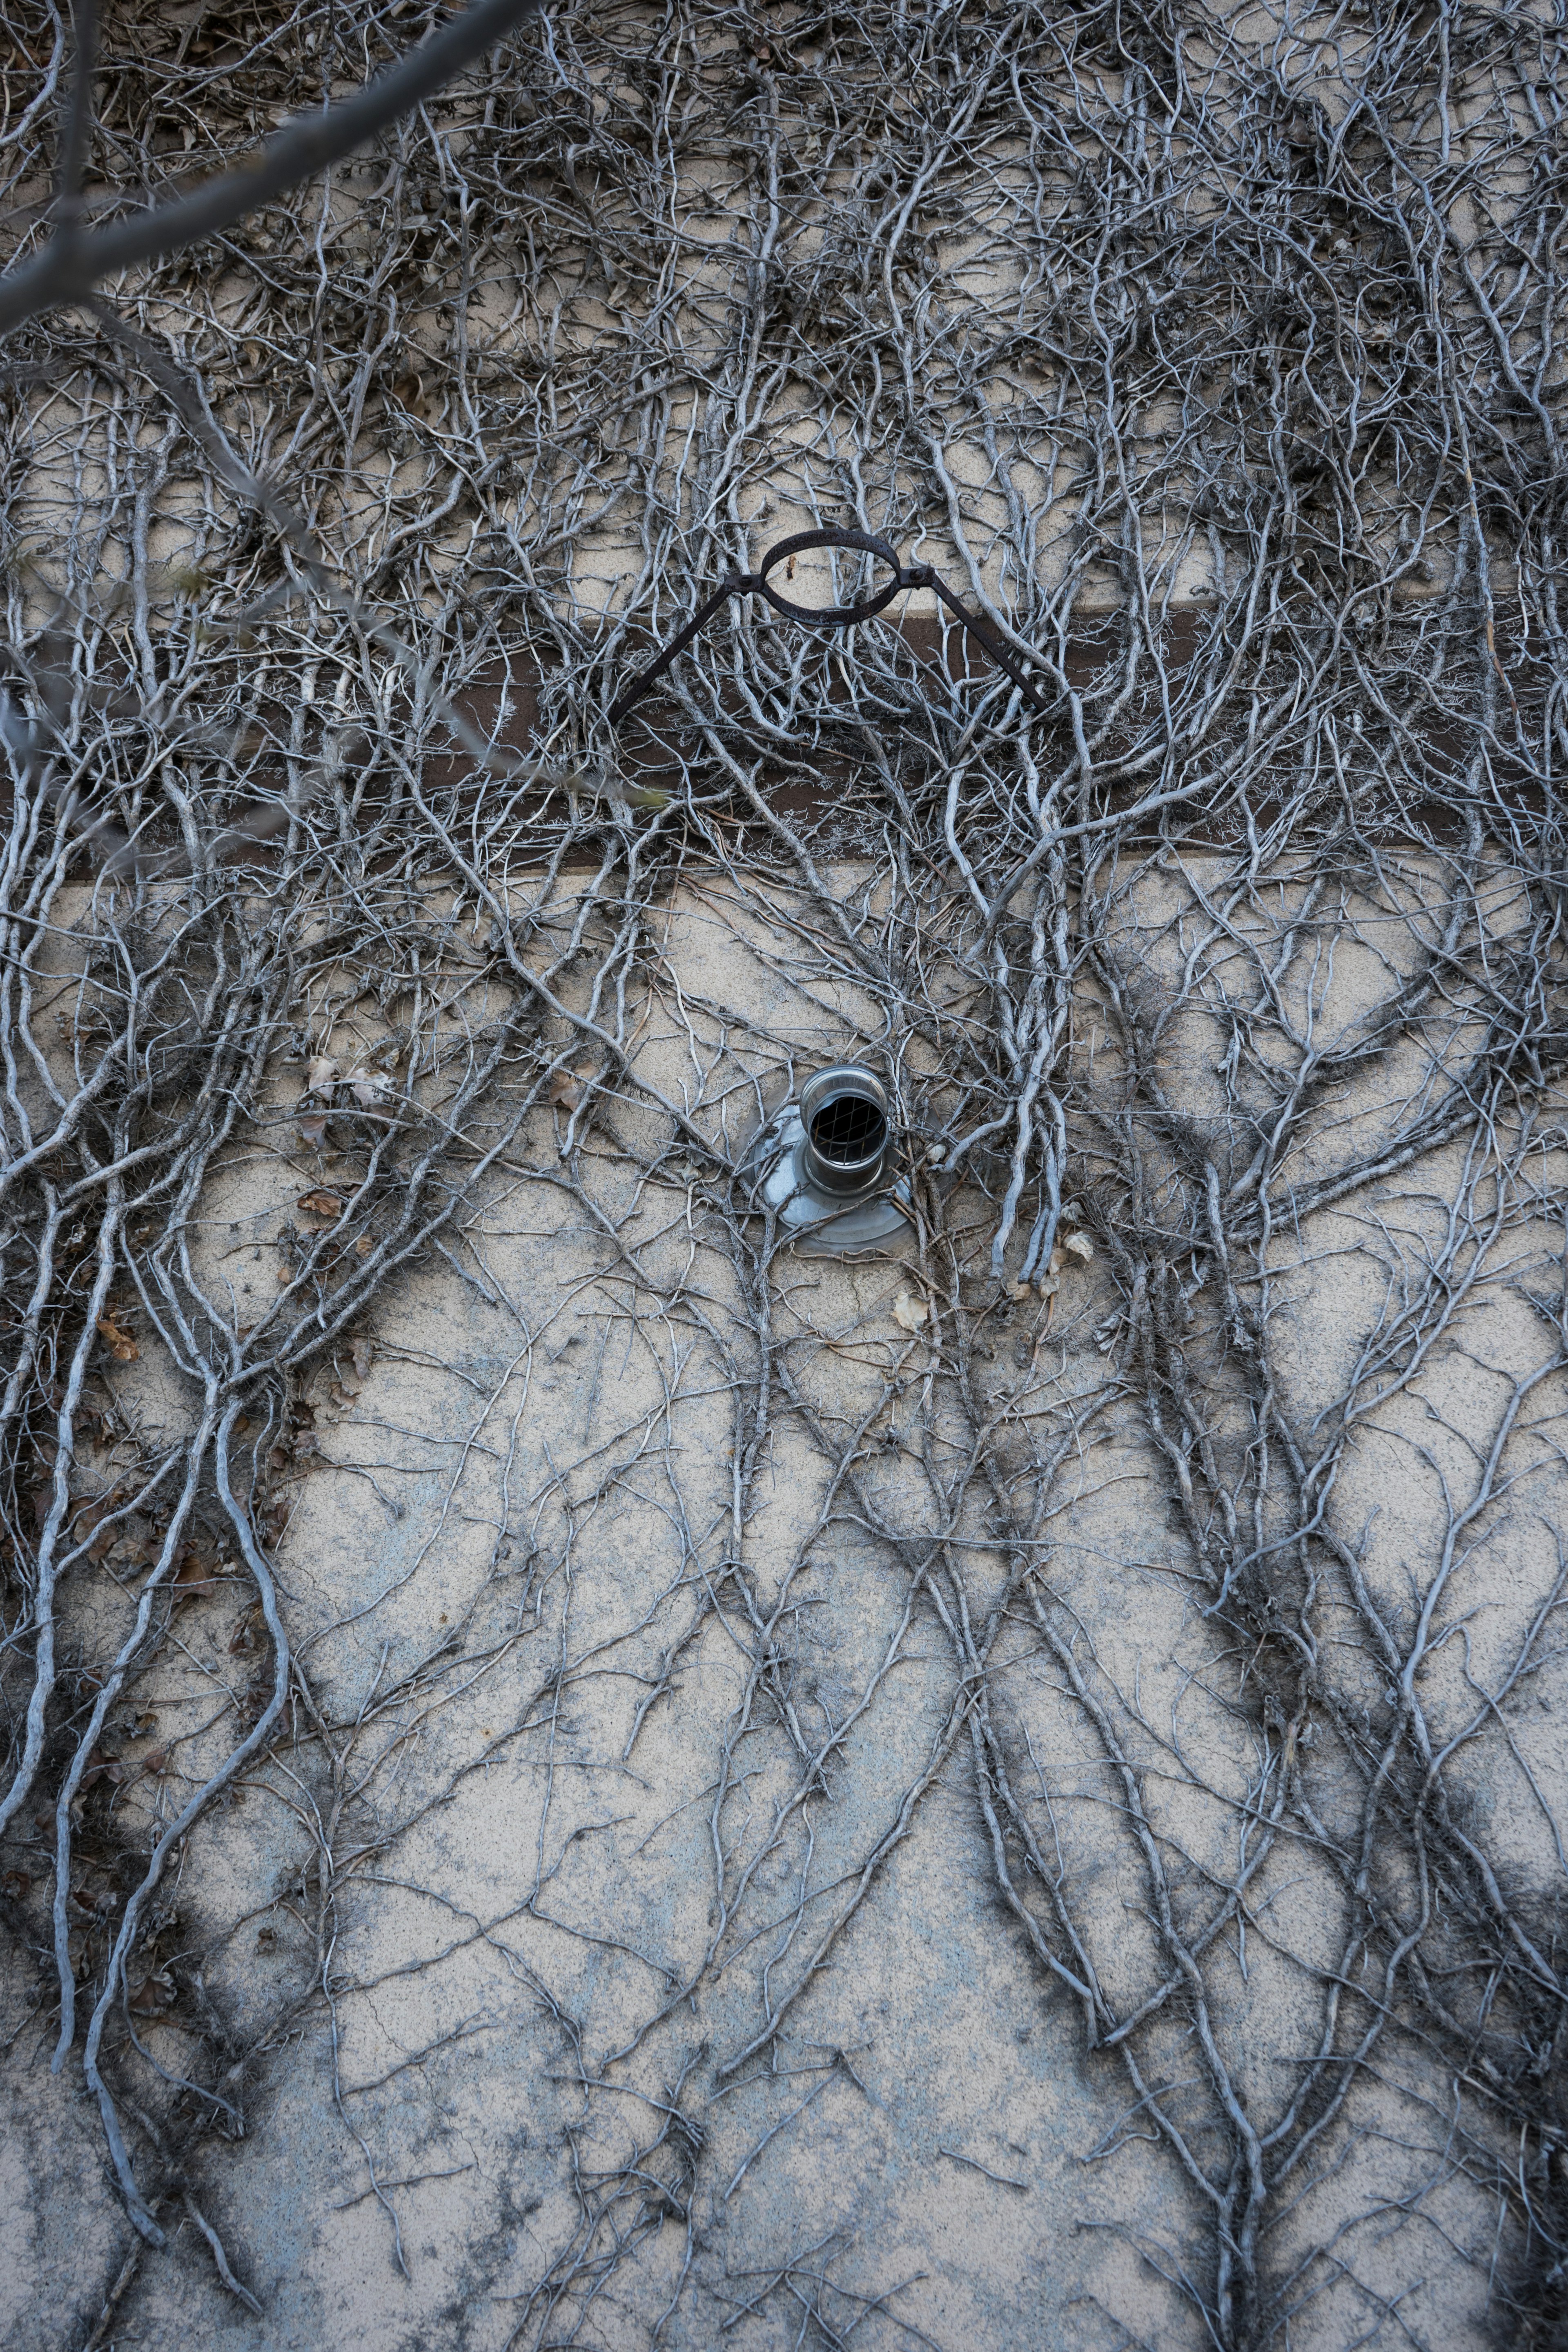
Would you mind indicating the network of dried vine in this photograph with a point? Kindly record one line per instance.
(1212, 356)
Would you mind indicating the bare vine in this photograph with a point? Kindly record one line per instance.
(347, 948)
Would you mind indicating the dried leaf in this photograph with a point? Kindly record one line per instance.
(363, 1245)
(314, 1128)
(363, 1354)
(16, 1883)
(153, 1994)
(122, 1345)
(157, 1761)
(1080, 1247)
(192, 1576)
(94, 1528)
(319, 1072)
(909, 1313)
(408, 389)
(369, 1087)
(321, 1203)
(565, 1090)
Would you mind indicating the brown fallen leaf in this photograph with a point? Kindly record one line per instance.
(909, 1313)
(95, 1528)
(363, 1245)
(14, 1883)
(122, 1345)
(319, 1072)
(153, 1994)
(314, 1127)
(321, 1203)
(157, 1762)
(369, 1087)
(363, 1354)
(408, 390)
(566, 1090)
(190, 1577)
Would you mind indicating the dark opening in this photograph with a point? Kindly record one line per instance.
(848, 1129)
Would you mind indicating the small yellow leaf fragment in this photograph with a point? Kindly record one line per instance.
(909, 1313)
(122, 1345)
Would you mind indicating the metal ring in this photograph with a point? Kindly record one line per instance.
(836, 617)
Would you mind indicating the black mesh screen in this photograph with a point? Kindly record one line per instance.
(847, 1130)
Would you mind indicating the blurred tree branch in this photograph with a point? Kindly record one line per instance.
(71, 265)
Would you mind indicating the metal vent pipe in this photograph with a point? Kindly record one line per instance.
(844, 1112)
